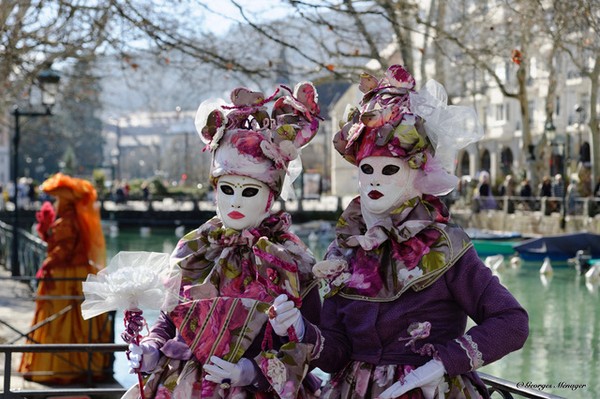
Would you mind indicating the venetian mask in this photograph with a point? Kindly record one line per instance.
(242, 202)
(385, 183)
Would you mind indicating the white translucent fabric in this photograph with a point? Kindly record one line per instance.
(132, 280)
(450, 128)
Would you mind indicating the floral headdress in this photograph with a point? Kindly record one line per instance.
(245, 139)
(395, 120)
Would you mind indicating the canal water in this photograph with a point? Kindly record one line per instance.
(562, 352)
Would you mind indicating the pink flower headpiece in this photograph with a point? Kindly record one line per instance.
(247, 140)
(394, 120)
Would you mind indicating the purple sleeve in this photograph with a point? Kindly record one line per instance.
(162, 331)
(311, 305)
(330, 339)
(502, 323)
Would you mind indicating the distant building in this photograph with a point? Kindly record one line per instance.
(162, 144)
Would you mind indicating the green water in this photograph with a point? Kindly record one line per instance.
(563, 346)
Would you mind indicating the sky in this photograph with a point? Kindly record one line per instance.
(225, 14)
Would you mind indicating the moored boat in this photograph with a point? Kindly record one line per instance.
(561, 247)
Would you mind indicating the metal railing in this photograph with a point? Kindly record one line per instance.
(31, 251)
(506, 388)
(8, 350)
(580, 206)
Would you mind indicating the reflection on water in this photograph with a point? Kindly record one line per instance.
(563, 345)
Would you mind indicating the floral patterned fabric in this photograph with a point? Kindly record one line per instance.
(229, 280)
(412, 250)
(364, 380)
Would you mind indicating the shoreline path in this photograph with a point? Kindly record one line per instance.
(17, 306)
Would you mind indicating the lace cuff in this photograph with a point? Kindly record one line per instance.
(471, 349)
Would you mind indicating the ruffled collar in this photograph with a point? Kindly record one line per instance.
(411, 248)
(403, 222)
(222, 239)
(258, 263)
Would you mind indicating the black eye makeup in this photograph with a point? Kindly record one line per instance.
(225, 189)
(366, 169)
(389, 170)
(250, 192)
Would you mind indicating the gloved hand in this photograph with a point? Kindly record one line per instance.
(287, 314)
(427, 377)
(143, 357)
(237, 374)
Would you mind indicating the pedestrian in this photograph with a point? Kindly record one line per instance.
(31, 193)
(525, 192)
(401, 279)
(546, 194)
(145, 192)
(218, 342)
(572, 195)
(483, 193)
(508, 189)
(558, 190)
(546, 187)
(76, 248)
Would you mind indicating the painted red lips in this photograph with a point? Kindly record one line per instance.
(236, 215)
(375, 194)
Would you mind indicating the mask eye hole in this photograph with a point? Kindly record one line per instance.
(250, 192)
(226, 189)
(366, 169)
(389, 170)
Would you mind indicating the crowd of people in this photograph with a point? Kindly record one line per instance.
(553, 190)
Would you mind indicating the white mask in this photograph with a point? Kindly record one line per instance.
(385, 183)
(242, 201)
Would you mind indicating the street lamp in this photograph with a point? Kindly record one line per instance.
(580, 119)
(550, 131)
(48, 81)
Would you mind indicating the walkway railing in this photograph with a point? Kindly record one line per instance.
(32, 251)
(505, 389)
(8, 350)
(587, 206)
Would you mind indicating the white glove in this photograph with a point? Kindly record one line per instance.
(237, 374)
(287, 315)
(427, 377)
(143, 357)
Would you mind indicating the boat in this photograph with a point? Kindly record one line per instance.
(494, 235)
(487, 248)
(560, 247)
(492, 242)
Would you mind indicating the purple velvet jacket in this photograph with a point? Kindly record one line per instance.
(377, 332)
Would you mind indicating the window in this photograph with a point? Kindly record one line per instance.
(499, 112)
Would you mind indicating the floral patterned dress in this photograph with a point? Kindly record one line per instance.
(229, 280)
(399, 294)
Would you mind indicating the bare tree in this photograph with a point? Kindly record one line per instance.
(577, 29)
(37, 32)
(499, 42)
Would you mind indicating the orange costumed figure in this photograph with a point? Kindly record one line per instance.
(76, 248)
